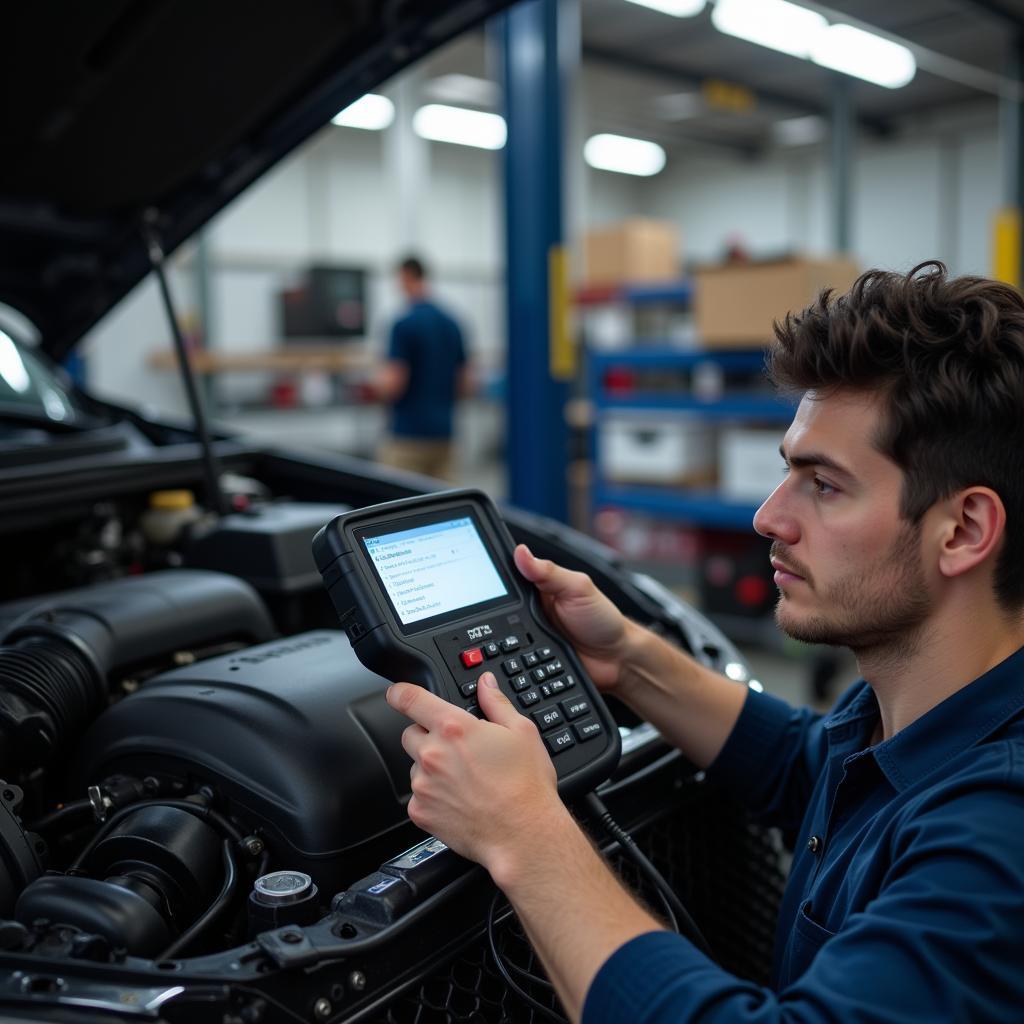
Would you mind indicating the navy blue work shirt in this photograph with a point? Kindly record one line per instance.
(430, 343)
(906, 896)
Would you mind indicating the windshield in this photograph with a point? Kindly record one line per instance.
(30, 389)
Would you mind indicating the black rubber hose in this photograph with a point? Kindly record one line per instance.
(61, 815)
(49, 692)
(202, 812)
(223, 899)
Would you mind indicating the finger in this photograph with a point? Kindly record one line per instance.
(423, 707)
(527, 563)
(412, 740)
(494, 704)
(550, 578)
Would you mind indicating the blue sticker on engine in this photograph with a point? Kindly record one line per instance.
(384, 883)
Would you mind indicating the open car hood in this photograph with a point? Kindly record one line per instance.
(118, 107)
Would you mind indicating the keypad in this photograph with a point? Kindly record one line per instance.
(537, 679)
(472, 657)
(587, 729)
(576, 707)
(548, 718)
(559, 741)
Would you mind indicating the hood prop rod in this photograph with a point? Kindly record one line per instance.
(155, 250)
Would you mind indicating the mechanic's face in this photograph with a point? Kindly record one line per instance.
(849, 569)
(410, 285)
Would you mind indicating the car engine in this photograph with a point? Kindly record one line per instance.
(202, 805)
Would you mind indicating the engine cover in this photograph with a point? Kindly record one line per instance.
(294, 736)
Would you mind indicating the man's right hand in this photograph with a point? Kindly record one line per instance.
(596, 628)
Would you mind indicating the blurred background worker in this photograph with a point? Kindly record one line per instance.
(425, 372)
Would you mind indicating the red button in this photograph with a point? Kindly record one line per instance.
(472, 658)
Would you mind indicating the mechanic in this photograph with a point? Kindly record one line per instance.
(897, 531)
(425, 372)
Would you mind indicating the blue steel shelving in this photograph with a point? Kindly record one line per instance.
(698, 507)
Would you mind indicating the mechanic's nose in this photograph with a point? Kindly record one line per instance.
(773, 520)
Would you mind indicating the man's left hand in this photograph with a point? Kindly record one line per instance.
(485, 788)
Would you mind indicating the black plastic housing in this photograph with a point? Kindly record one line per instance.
(424, 652)
(267, 547)
(294, 736)
(155, 873)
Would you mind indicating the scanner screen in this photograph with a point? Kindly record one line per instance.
(435, 569)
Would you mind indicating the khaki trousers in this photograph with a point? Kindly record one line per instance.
(419, 455)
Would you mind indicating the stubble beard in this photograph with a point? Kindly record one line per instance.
(880, 610)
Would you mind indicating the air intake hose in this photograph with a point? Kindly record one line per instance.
(50, 690)
(57, 652)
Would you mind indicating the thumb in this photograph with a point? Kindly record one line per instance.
(527, 563)
(494, 704)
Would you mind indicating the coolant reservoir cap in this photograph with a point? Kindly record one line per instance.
(282, 887)
(172, 501)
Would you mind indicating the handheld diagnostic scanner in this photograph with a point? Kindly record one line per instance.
(428, 593)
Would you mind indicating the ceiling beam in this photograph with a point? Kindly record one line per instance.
(997, 10)
(798, 105)
(940, 64)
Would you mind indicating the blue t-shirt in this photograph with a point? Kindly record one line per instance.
(906, 897)
(430, 343)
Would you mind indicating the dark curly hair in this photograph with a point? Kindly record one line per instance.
(947, 354)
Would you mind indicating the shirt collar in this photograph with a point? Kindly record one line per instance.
(958, 723)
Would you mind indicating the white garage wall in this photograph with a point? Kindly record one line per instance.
(913, 199)
(929, 192)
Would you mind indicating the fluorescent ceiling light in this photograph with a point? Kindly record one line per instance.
(459, 125)
(864, 55)
(773, 23)
(799, 131)
(624, 155)
(463, 89)
(677, 8)
(372, 112)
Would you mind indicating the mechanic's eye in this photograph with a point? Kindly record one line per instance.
(824, 488)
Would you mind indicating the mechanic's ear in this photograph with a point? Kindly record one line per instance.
(972, 530)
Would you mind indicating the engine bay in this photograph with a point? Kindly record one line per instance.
(198, 776)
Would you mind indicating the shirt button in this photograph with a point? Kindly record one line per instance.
(814, 844)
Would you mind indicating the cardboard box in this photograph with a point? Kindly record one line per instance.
(635, 251)
(749, 463)
(644, 450)
(734, 305)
